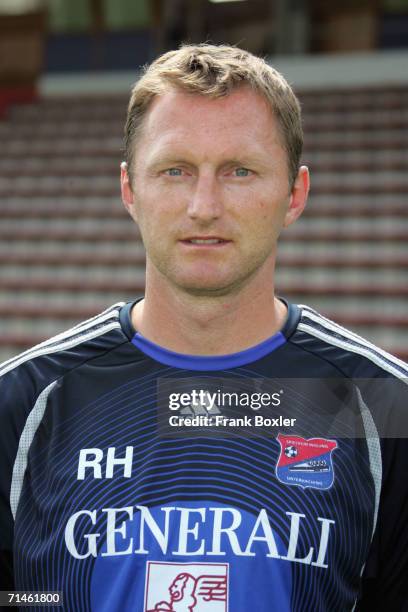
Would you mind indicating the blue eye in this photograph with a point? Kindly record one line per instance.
(174, 172)
(242, 172)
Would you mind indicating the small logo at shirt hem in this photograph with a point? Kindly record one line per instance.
(186, 587)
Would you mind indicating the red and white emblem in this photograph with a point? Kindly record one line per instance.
(186, 587)
(306, 462)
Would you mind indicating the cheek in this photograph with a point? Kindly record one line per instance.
(272, 211)
(159, 202)
(264, 224)
(264, 211)
(155, 222)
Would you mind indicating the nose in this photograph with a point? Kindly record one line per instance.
(205, 203)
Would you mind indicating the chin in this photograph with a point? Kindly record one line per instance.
(201, 287)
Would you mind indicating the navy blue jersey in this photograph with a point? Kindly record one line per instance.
(124, 502)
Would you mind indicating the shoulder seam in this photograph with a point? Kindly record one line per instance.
(88, 329)
(365, 349)
(315, 354)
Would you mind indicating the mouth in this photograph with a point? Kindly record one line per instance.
(205, 241)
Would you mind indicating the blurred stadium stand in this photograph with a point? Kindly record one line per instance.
(68, 248)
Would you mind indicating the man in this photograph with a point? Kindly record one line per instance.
(125, 472)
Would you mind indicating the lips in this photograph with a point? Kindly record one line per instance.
(205, 240)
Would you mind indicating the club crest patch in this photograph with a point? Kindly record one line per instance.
(305, 462)
(186, 587)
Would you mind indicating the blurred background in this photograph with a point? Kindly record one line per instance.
(68, 248)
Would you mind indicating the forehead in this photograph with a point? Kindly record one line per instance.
(242, 119)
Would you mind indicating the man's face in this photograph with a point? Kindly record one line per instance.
(211, 170)
(176, 589)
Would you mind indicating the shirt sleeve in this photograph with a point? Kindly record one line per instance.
(384, 584)
(16, 391)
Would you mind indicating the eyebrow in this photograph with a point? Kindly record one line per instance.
(164, 160)
(241, 161)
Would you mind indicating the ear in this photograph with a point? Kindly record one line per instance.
(298, 197)
(126, 190)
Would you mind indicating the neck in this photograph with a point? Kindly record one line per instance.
(207, 325)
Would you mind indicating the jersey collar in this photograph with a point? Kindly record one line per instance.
(207, 362)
